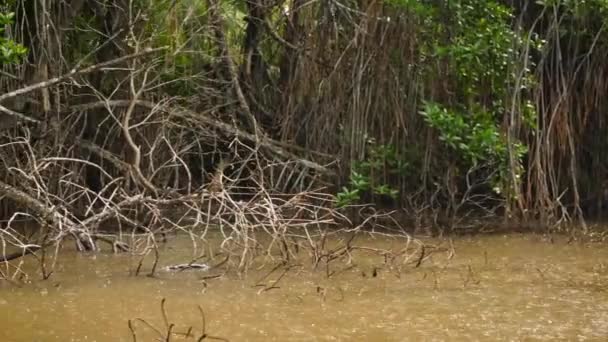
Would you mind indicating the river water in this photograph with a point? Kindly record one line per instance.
(494, 288)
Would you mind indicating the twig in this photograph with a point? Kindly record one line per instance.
(421, 258)
(17, 114)
(164, 312)
(132, 329)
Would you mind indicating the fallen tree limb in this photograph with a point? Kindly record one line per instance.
(17, 115)
(94, 220)
(61, 222)
(26, 251)
(31, 203)
(104, 154)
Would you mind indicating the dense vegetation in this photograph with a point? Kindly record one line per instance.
(448, 110)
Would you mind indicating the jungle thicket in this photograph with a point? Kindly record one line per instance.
(449, 111)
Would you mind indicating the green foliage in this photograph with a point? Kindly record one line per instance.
(477, 139)
(347, 197)
(367, 176)
(10, 52)
(479, 60)
(477, 51)
(578, 8)
(192, 51)
(413, 6)
(483, 50)
(584, 21)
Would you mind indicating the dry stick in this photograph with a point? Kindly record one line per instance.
(259, 282)
(45, 274)
(168, 338)
(270, 144)
(9, 75)
(117, 245)
(17, 114)
(132, 329)
(274, 284)
(125, 129)
(49, 214)
(209, 277)
(107, 214)
(336, 253)
(163, 311)
(141, 263)
(203, 322)
(156, 257)
(204, 328)
(189, 332)
(69, 75)
(27, 250)
(144, 255)
(103, 154)
(160, 334)
(74, 72)
(220, 263)
(421, 258)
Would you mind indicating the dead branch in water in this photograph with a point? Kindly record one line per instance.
(15, 255)
(168, 332)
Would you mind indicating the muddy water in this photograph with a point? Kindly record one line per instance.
(508, 288)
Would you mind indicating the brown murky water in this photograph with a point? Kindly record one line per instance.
(496, 288)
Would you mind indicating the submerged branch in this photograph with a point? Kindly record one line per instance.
(16, 255)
